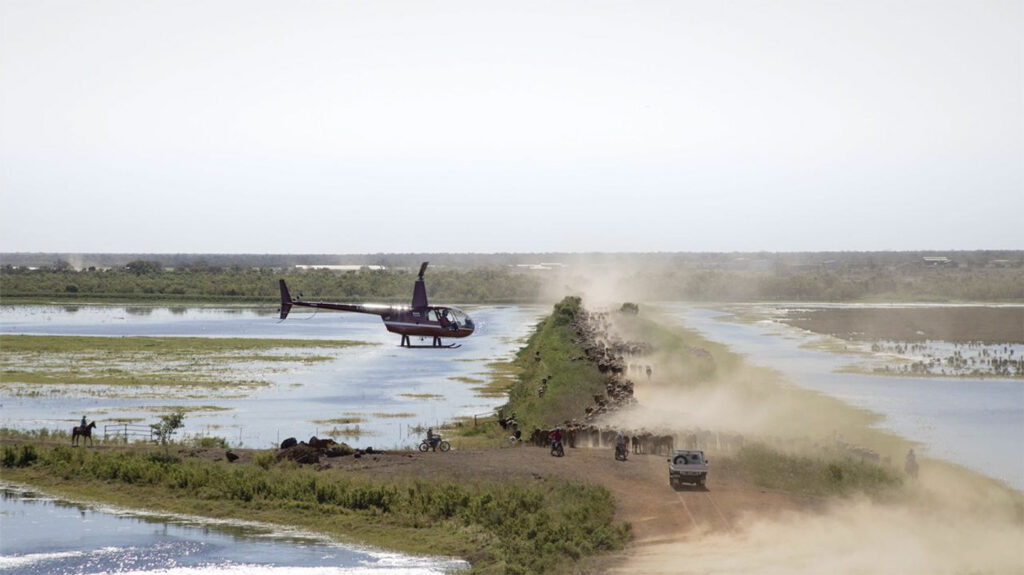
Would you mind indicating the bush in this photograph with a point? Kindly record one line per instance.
(22, 456)
(210, 442)
(264, 459)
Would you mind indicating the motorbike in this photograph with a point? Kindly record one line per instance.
(556, 449)
(438, 443)
(621, 453)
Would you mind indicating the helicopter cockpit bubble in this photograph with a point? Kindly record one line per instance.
(461, 318)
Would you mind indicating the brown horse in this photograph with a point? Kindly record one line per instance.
(85, 432)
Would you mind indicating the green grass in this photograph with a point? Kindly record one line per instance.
(148, 361)
(184, 408)
(500, 527)
(340, 421)
(827, 475)
(421, 395)
(163, 346)
(573, 382)
(464, 379)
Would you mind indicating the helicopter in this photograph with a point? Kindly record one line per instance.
(419, 319)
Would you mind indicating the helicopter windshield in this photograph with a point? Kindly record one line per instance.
(461, 318)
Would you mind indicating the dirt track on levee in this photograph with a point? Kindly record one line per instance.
(658, 513)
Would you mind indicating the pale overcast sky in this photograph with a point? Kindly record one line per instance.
(386, 126)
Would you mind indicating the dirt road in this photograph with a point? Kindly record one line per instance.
(658, 513)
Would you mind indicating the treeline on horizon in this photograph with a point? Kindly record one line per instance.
(462, 278)
(261, 285)
(411, 261)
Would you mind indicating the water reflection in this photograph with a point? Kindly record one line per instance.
(40, 535)
(365, 380)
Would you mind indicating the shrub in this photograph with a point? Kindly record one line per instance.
(22, 456)
(210, 442)
(264, 459)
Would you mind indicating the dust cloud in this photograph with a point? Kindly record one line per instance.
(948, 521)
(851, 537)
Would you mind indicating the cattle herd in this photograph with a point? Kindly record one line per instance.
(617, 359)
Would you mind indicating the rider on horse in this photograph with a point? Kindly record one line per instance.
(83, 426)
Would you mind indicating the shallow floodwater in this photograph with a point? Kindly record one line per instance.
(372, 382)
(40, 535)
(976, 422)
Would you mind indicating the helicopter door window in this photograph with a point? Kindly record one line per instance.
(449, 321)
(432, 315)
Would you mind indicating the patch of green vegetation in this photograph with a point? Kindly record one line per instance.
(339, 421)
(501, 376)
(108, 378)
(464, 379)
(348, 431)
(158, 362)
(478, 433)
(210, 442)
(500, 527)
(421, 395)
(183, 408)
(164, 346)
(834, 345)
(552, 352)
(828, 475)
(399, 415)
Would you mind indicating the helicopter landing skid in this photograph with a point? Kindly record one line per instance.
(435, 345)
(448, 346)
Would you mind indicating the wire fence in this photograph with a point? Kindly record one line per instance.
(127, 431)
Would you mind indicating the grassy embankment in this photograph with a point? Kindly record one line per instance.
(501, 527)
(552, 352)
(147, 361)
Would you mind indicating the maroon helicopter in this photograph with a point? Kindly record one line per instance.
(419, 319)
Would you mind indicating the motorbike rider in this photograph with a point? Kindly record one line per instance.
(432, 439)
(620, 444)
(555, 436)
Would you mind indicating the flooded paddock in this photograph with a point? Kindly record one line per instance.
(973, 421)
(42, 535)
(376, 395)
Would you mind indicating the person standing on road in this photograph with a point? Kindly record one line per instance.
(910, 466)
